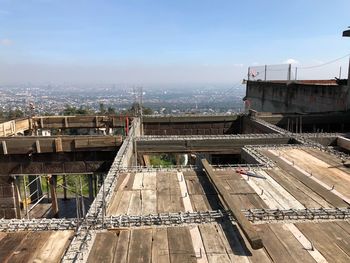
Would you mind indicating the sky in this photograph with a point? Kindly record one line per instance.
(174, 41)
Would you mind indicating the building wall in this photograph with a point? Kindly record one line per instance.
(296, 97)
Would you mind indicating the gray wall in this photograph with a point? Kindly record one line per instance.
(296, 97)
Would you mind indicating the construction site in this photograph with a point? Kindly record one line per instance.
(251, 187)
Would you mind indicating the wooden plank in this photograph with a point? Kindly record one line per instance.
(295, 249)
(306, 244)
(340, 237)
(122, 181)
(160, 248)
(199, 203)
(301, 192)
(124, 203)
(248, 229)
(58, 145)
(174, 184)
(26, 249)
(256, 201)
(320, 170)
(2, 235)
(4, 147)
(169, 197)
(138, 181)
(140, 248)
(180, 245)
(239, 187)
(104, 246)
(345, 225)
(9, 244)
(149, 202)
(214, 247)
(130, 183)
(54, 247)
(310, 183)
(150, 181)
(184, 193)
(277, 251)
(118, 193)
(37, 146)
(135, 203)
(122, 249)
(323, 242)
(238, 247)
(194, 186)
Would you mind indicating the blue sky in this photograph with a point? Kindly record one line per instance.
(165, 41)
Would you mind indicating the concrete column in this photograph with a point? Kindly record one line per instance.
(9, 198)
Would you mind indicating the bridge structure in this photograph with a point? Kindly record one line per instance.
(286, 198)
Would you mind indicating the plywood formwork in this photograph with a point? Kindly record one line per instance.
(44, 246)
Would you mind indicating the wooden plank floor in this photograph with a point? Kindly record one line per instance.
(296, 169)
(146, 193)
(44, 246)
(329, 238)
(306, 196)
(324, 171)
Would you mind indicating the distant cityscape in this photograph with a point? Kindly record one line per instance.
(52, 99)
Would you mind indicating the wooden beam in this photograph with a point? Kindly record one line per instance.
(49, 144)
(88, 122)
(4, 147)
(58, 145)
(69, 167)
(248, 229)
(37, 145)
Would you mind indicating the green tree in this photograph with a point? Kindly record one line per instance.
(69, 111)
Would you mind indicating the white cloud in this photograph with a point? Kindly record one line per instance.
(6, 42)
(291, 61)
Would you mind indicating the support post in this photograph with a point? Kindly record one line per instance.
(54, 203)
(91, 190)
(289, 72)
(349, 73)
(64, 187)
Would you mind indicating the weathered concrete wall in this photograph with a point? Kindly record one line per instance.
(250, 126)
(296, 97)
(191, 125)
(9, 203)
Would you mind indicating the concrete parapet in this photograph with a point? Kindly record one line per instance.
(295, 96)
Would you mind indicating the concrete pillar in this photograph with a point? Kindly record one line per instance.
(9, 198)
